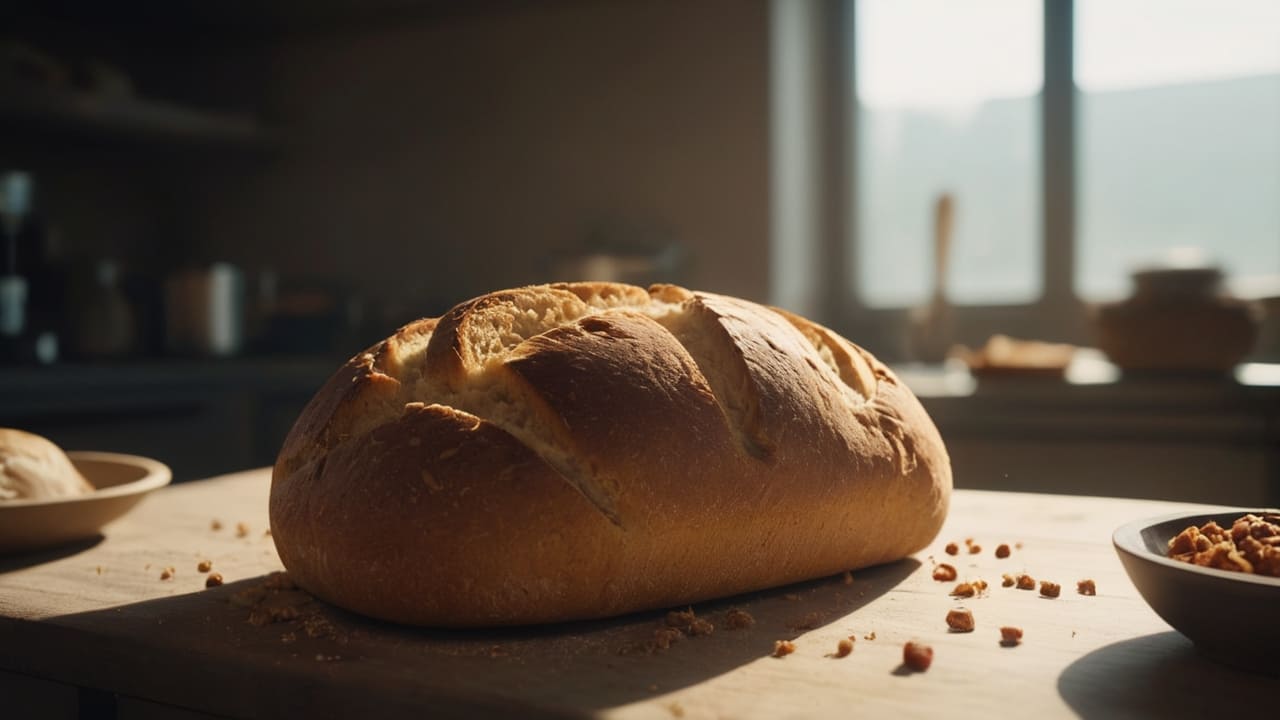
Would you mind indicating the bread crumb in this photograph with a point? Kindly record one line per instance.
(1002, 551)
(1007, 580)
(960, 620)
(1017, 546)
(279, 580)
(964, 590)
(736, 619)
(1010, 636)
(847, 578)
(968, 541)
(204, 566)
(1087, 587)
(952, 549)
(808, 621)
(248, 597)
(1026, 582)
(975, 549)
(242, 529)
(677, 710)
(261, 616)
(700, 627)
(869, 636)
(214, 580)
(844, 647)
(215, 524)
(980, 585)
(664, 638)
(167, 573)
(680, 619)
(783, 648)
(1050, 589)
(99, 569)
(944, 573)
(917, 656)
(318, 626)
(266, 533)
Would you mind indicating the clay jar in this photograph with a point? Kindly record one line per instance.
(1178, 319)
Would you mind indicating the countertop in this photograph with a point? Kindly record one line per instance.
(96, 624)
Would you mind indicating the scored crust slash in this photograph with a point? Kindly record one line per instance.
(582, 450)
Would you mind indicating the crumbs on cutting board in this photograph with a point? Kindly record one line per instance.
(278, 600)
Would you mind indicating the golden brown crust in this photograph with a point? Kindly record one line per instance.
(589, 449)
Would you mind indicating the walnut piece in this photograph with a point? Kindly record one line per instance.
(960, 620)
(844, 647)
(952, 549)
(917, 656)
(204, 566)
(1050, 589)
(783, 648)
(1002, 551)
(944, 573)
(1252, 545)
(1026, 582)
(1086, 587)
(213, 580)
(1010, 636)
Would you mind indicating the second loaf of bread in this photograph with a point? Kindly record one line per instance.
(583, 450)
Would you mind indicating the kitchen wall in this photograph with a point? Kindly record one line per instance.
(427, 161)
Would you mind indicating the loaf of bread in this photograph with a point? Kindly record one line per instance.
(582, 450)
(33, 468)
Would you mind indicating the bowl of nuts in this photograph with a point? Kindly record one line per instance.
(1215, 577)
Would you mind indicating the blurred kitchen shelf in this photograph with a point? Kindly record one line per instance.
(71, 112)
(201, 417)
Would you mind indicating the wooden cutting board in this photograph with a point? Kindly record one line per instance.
(99, 616)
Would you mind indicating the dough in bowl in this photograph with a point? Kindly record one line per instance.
(33, 468)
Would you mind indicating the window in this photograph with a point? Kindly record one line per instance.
(1078, 138)
(947, 98)
(1179, 124)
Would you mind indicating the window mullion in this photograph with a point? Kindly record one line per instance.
(1058, 147)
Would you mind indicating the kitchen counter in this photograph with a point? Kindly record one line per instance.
(93, 629)
(1188, 438)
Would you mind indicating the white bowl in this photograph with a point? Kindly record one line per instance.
(120, 482)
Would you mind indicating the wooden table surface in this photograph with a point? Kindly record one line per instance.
(95, 624)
